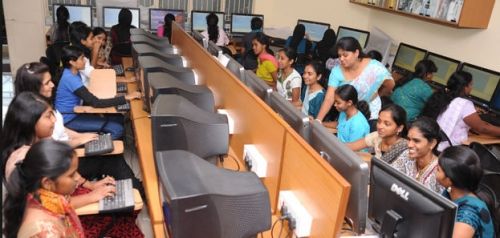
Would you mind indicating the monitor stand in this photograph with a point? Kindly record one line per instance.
(389, 224)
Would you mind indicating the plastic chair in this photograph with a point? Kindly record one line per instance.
(489, 162)
(489, 192)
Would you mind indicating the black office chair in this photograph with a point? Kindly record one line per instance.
(489, 192)
(489, 162)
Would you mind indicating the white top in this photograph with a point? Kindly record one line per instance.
(85, 72)
(59, 133)
(285, 87)
(452, 121)
(223, 40)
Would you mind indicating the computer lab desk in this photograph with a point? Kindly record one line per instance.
(481, 138)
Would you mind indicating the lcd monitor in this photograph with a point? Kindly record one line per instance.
(199, 20)
(241, 23)
(360, 35)
(495, 102)
(257, 85)
(292, 115)
(400, 206)
(202, 200)
(81, 13)
(178, 124)
(445, 68)
(110, 16)
(407, 57)
(314, 30)
(484, 83)
(157, 17)
(350, 166)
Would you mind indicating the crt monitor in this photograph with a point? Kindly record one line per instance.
(81, 13)
(148, 38)
(360, 35)
(407, 57)
(241, 23)
(292, 115)
(178, 124)
(257, 85)
(314, 30)
(236, 68)
(200, 38)
(164, 55)
(401, 206)
(445, 68)
(202, 200)
(157, 17)
(110, 16)
(199, 20)
(350, 166)
(214, 49)
(484, 82)
(199, 95)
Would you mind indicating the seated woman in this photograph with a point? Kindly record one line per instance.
(120, 37)
(71, 91)
(455, 113)
(460, 172)
(213, 32)
(59, 31)
(421, 163)
(165, 30)
(313, 95)
(322, 50)
(352, 123)
(37, 204)
(103, 46)
(82, 37)
(365, 74)
(267, 68)
(413, 91)
(289, 80)
(389, 140)
(301, 45)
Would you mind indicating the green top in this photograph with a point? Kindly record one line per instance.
(412, 96)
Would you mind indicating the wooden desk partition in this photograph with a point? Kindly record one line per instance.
(102, 83)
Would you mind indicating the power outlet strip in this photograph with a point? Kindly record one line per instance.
(296, 212)
(254, 161)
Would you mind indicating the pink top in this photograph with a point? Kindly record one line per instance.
(159, 30)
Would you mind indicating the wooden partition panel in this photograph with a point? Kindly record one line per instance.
(255, 123)
(321, 189)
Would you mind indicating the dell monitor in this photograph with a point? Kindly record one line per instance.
(360, 35)
(202, 200)
(445, 68)
(81, 13)
(314, 30)
(199, 20)
(350, 166)
(178, 124)
(257, 85)
(484, 83)
(406, 58)
(241, 23)
(292, 115)
(199, 95)
(157, 17)
(110, 16)
(203, 41)
(400, 206)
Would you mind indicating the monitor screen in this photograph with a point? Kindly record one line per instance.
(350, 166)
(484, 82)
(402, 206)
(360, 35)
(199, 20)
(495, 101)
(241, 23)
(257, 85)
(81, 13)
(314, 30)
(292, 115)
(407, 57)
(157, 17)
(445, 68)
(110, 16)
(202, 200)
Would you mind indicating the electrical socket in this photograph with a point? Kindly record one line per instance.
(297, 212)
(254, 160)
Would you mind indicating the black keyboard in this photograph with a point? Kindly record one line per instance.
(103, 145)
(120, 71)
(491, 118)
(121, 87)
(123, 198)
(124, 107)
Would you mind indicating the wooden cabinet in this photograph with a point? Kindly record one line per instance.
(468, 14)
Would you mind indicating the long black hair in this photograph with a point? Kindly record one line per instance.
(167, 25)
(298, 34)
(290, 53)
(29, 77)
(20, 121)
(461, 165)
(45, 159)
(422, 68)
(80, 31)
(348, 92)
(124, 25)
(263, 39)
(62, 15)
(440, 100)
(323, 47)
(429, 129)
(212, 27)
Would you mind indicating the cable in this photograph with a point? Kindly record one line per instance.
(272, 227)
(235, 160)
(281, 230)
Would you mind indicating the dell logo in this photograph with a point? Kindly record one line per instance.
(400, 191)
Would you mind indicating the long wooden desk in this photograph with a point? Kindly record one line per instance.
(102, 84)
(483, 139)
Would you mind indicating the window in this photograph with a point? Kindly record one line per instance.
(239, 6)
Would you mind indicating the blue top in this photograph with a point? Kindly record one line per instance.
(351, 130)
(474, 212)
(412, 96)
(301, 48)
(66, 99)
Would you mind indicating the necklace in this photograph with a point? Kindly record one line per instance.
(422, 171)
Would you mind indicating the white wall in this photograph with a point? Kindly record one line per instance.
(481, 47)
(25, 23)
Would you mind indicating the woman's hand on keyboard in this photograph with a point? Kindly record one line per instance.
(106, 181)
(86, 137)
(102, 192)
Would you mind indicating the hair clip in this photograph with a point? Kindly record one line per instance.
(28, 68)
